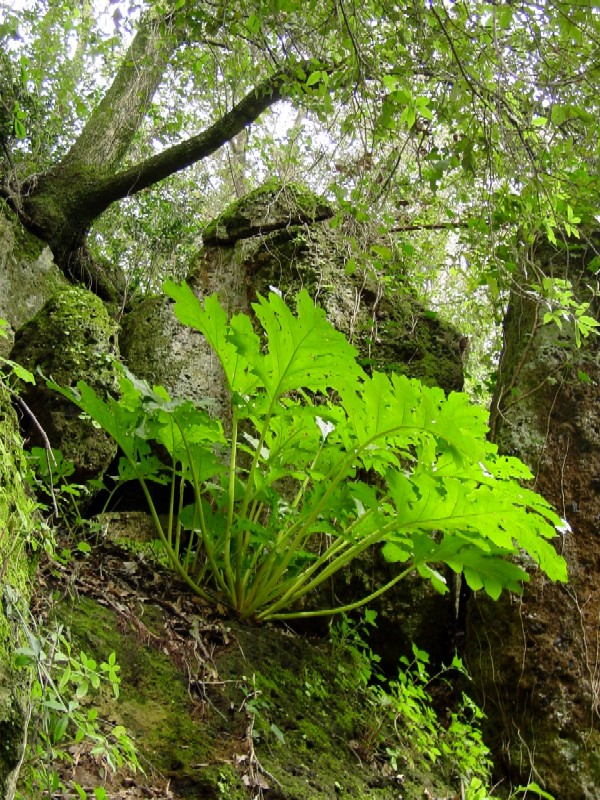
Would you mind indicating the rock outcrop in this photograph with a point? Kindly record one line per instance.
(267, 241)
(536, 658)
(71, 338)
(28, 275)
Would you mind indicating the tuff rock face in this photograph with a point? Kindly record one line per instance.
(536, 659)
(28, 275)
(392, 332)
(72, 338)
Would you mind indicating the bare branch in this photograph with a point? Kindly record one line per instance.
(434, 226)
(48, 447)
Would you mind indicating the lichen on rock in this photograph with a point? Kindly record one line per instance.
(278, 238)
(391, 329)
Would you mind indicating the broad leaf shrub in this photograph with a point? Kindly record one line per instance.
(319, 463)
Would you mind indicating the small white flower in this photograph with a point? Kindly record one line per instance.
(276, 289)
(564, 528)
(324, 427)
(360, 509)
(264, 451)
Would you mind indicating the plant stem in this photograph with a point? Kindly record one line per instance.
(304, 484)
(178, 522)
(267, 614)
(337, 560)
(216, 572)
(159, 529)
(229, 574)
(172, 496)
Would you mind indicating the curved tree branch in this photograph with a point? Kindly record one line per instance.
(156, 168)
(67, 200)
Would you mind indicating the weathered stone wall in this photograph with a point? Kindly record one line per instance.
(536, 659)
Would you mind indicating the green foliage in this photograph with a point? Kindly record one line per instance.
(561, 305)
(350, 636)
(532, 790)
(409, 705)
(399, 715)
(321, 463)
(49, 476)
(508, 99)
(63, 720)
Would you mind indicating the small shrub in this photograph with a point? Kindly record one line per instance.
(63, 717)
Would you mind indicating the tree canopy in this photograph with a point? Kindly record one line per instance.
(473, 117)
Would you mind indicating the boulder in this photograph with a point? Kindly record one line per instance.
(28, 275)
(72, 338)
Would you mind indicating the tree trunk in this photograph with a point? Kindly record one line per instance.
(109, 132)
(61, 205)
(537, 658)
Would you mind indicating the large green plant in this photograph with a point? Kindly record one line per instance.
(317, 463)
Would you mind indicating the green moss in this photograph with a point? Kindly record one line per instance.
(28, 246)
(270, 207)
(73, 336)
(275, 695)
(155, 704)
(318, 758)
(223, 782)
(17, 523)
(71, 339)
(17, 508)
(402, 337)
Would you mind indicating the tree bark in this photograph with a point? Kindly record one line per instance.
(109, 132)
(61, 205)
